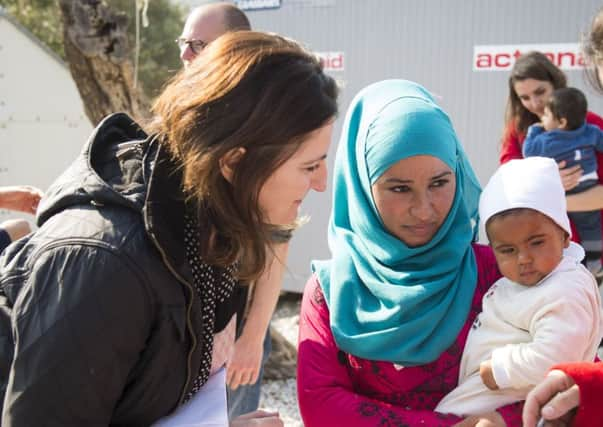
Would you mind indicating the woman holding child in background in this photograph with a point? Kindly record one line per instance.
(383, 323)
(532, 81)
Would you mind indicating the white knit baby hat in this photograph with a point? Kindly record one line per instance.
(532, 183)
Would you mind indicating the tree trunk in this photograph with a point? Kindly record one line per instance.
(96, 47)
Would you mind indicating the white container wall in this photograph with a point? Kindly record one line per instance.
(42, 120)
(433, 43)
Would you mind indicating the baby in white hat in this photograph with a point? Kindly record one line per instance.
(545, 310)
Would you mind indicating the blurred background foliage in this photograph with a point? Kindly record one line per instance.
(158, 59)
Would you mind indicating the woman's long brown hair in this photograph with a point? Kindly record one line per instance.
(251, 90)
(592, 45)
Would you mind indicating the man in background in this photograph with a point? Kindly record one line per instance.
(207, 23)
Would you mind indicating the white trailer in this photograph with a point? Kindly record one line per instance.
(42, 121)
(461, 50)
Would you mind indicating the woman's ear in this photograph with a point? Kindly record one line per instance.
(229, 162)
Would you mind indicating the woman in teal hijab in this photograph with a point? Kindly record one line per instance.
(384, 321)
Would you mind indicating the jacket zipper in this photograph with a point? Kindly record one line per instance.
(188, 313)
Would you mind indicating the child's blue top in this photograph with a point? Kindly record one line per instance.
(576, 146)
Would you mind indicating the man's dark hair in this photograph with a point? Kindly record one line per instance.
(235, 19)
(570, 104)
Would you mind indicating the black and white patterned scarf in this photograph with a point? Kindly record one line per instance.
(214, 286)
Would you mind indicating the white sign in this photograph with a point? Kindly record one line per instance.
(258, 4)
(331, 61)
(566, 56)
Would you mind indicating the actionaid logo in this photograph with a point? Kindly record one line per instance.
(566, 56)
(331, 61)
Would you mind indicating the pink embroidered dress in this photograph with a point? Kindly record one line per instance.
(338, 389)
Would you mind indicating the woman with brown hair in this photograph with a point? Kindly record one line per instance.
(118, 309)
(532, 81)
(592, 45)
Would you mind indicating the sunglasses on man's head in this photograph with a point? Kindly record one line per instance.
(196, 45)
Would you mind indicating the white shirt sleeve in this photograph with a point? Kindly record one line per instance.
(565, 327)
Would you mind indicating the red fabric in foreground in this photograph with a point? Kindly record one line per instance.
(589, 377)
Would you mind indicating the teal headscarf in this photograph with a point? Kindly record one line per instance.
(388, 301)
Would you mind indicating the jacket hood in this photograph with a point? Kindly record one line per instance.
(108, 170)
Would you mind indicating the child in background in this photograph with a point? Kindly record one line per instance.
(565, 136)
(545, 310)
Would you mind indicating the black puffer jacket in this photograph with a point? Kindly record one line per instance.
(98, 323)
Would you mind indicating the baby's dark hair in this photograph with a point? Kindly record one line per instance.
(570, 104)
(510, 212)
(502, 214)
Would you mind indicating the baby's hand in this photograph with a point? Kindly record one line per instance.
(485, 373)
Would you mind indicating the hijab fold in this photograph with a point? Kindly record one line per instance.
(388, 301)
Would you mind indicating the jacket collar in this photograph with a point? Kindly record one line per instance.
(164, 208)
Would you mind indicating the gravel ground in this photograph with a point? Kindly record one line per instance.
(281, 395)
